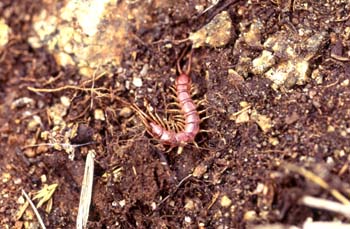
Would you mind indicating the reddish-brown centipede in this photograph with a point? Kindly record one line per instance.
(188, 109)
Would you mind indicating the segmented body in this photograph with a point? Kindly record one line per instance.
(188, 109)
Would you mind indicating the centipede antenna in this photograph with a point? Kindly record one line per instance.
(179, 69)
(190, 63)
(143, 116)
(155, 117)
(195, 144)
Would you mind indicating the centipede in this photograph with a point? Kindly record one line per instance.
(190, 123)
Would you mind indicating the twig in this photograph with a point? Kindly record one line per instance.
(34, 209)
(177, 187)
(306, 225)
(326, 205)
(60, 144)
(93, 84)
(340, 58)
(86, 191)
(319, 181)
(325, 225)
(213, 200)
(274, 226)
(50, 90)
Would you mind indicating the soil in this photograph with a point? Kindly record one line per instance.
(235, 178)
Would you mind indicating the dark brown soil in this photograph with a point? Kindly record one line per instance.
(235, 159)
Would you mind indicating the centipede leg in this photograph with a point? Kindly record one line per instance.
(173, 97)
(177, 111)
(194, 90)
(172, 104)
(170, 149)
(173, 90)
(203, 111)
(206, 117)
(201, 102)
(175, 127)
(181, 125)
(181, 121)
(210, 131)
(164, 124)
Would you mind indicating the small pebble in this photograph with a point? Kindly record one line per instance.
(34, 123)
(6, 177)
(273, 141)
(43, 178)
(17, 181)
(250, 216)
(125, 112)
(263, 62)
(65, 101)
(144, 70)
(21, 200)
(189, 204)
(263, 121)
(153, 206)
(122, 203)
(99, 115)
(330, 129)
(64, 59)
(42, 149)
(137, 82)
(241, 117)
(345, 83)
(216, 33)
(188, 219)
(4, 33)
(21, 102)
(29, 152)
(225, 201)
(199, 170)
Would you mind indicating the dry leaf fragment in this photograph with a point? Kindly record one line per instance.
(45, 194)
